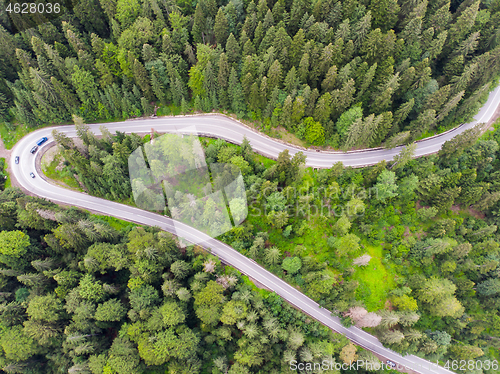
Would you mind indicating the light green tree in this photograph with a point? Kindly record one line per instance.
(13, 245)
(110, 311)
(292, 265)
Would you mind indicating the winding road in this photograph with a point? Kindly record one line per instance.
(224, 127)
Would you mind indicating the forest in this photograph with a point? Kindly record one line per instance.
(407, 250)
(90, 294)
(343, 74)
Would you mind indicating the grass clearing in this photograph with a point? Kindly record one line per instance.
(51, 167)
(288, 137)
(375, 279)
(267, 162)
(115, 223)
(11, 136)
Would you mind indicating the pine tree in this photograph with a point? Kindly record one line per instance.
(261, 9)
(362, 28)
(298, 109)
(235, 93)
(142, 79)
(384, 127)
(460, 82)
(328, 82)
(424, 122)
(97, 45)
(469, 45)
(367, 81)
(323, 108)
(403, 112)
(437, 99)
(440, 18)
(343, 98)
(42, 85)
(274, 75)
(397, 139)
(221, 28)
(268, 20)
(281, 44)
(157, 86)
(384, 13)
(148, 53)
(268, 40)
(286, 113)
(184, 106)
(344, 30)
(209, 82)
(449, 106)
(297, 48)
(298, 9)
(232, 49)
(279, 9)
(198, 25)
(304, 68)
(406, 154)
(455, 147)
(66, 96)
(73, 38)
(291, 82)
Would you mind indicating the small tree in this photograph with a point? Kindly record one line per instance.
(292, 265)
(111, 310)
(362, 260)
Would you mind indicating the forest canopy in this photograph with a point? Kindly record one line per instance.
(90, 294)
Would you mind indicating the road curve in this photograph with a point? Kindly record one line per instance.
(223, 127)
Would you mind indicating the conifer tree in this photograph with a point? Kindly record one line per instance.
(232, 49)
(403, 112)
(157, 86)
(221, 29)
(142, 79)
(274, 75)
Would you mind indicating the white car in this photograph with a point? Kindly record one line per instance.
(390, 363)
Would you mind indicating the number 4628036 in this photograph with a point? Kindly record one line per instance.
(26, 8)
(471, 365)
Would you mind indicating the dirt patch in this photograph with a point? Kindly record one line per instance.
(476, 213)
(388, 305)
(4, 153)
(418, 205)
(49, 156)
(289, 137)
(455, 209)
(420, 234)
(407, 232)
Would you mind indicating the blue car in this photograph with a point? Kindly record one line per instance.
(41, 141)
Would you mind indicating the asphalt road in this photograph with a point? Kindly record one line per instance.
(223, 127)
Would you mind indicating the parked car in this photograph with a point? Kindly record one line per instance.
(391, 364)
(32, 175)
(16, 160)
(34, 149)
(41, 141)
